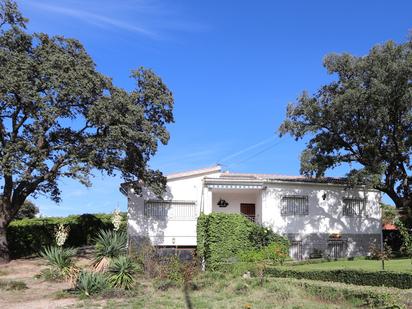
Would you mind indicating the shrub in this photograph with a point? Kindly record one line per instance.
(90, 283)
(368, 296)
(358, 277)
(26, 236)
(165, 284)
(109, 244)
(274, 253)
(61, 262)
(241, 287)
(262, 236)
(221, 237)
(121, 273)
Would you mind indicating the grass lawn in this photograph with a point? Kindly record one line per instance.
(399, 265)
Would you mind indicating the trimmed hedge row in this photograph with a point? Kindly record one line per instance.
(375, 297)
(27, 236)
(220, 237)
(349, 276)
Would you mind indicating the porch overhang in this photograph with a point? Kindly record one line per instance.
(219, 184)
(235, 186)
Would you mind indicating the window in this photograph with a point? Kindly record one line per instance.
(294, 205)
(170, 209)
(353, 207)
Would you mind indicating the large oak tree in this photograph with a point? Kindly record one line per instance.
(60, 117)
(363, 118)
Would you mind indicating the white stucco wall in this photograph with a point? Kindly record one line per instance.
(325, 216)
(170, 231)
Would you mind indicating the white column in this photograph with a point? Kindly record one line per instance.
(207, 200)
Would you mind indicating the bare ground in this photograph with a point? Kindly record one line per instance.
(40, 293)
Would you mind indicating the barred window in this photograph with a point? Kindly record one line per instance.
(353, 207)
(170, 209)
(294, 205)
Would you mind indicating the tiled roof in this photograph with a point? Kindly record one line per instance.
(208, 170)
(336, 180)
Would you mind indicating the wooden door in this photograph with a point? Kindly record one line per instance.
(248, 210)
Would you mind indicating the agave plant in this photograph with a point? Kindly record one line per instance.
(109, 245)
(61, 260)
(121, 272)
(89, 283)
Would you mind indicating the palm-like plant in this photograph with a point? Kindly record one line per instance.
(61, 261)
(109, 245)
(89, 283)
(121, 272)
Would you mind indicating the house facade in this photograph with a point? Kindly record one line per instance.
(321, 217)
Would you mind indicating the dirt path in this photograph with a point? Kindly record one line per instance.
(40, 293)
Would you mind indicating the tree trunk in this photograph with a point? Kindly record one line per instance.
(4, 248)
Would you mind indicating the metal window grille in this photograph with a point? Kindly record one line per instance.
(336, 248)
(295, 205)
(295, 250)
(353, 207)
(170, 209)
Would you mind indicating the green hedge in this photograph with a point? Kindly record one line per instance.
(349, 276)
(365, 296)
(28, 236)
(221, 237)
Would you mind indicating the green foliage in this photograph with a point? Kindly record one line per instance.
(367, 296)
(221, 237)
(50, 82)
(121, 273)
(363, 116)
(350, 276)
(110, 244)
(262, 236)
(91, 283)
(389, 214)
(26, 236)
(406, 247)
(28, 210)
(61, 261)
(172, 269)
(12, 285)
(165, 284)
(273, 253)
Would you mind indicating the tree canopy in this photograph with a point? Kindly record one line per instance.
(28, 210)
(363, 118)
(60, 117)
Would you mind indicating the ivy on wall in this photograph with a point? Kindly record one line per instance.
(221, 237)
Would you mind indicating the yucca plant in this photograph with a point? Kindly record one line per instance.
(89, 283)
(121, 271)
(61, 261)
(109, 245)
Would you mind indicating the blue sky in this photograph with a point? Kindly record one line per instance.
(232, 65)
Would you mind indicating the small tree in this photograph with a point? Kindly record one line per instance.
(27, 210)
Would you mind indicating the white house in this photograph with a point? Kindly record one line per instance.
(319, 216)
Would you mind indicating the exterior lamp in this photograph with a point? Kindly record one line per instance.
(222, 203)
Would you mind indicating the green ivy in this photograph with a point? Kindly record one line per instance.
(27, 236)
(221, 237)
